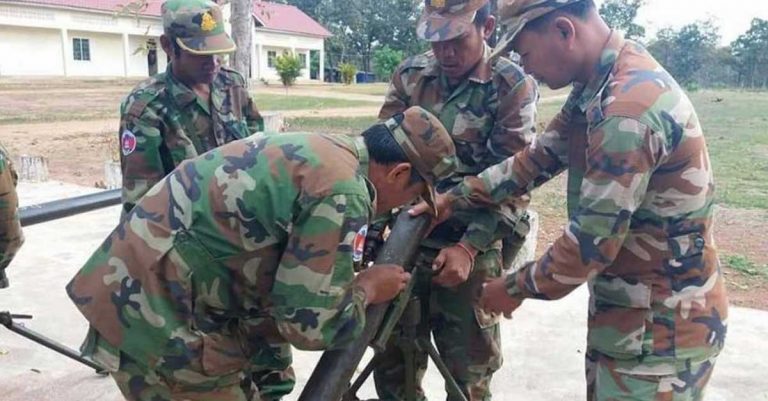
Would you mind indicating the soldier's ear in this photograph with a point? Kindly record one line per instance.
(399, 174)
(489, 26)
(565, 30)
(165, 43)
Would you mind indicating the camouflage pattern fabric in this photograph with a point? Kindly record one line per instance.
(163, 122)
(640, 202)
(490, 116)
(688, 384)
(250, 238)
(447, 19)
(197, 26)
(11, 236)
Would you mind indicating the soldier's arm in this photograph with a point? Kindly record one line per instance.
(397, 99)
(143, 165)
(537, 163)
(11, 236)
(316, 303)
(253, 118)
(621, 157)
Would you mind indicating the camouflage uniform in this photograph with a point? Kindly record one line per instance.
(164, 122)
(11, 236)
(235, 253)
(640, 203)
(490, 116)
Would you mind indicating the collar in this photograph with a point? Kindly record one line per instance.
(482, 73)
(184, 95)
(583, 94)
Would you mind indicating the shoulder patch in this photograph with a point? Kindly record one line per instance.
(127, 142)
(358, 244)
(508, 71)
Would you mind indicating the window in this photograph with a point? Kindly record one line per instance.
(81, 49)
(271, 56)
(303, 59)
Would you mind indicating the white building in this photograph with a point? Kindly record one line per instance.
(93, 38)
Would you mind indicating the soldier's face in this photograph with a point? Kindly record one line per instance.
(196, 69)
(393, 186)
(546, 55)
(459, 55)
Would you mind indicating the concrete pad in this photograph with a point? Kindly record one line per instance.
(543, 345)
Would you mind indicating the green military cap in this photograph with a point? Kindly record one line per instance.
(514, 14)
(428, 146)
(197, 26)
(447, 19)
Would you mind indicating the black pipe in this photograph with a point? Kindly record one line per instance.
(331, 377)
(43, 212)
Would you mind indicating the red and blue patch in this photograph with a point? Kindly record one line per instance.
(358, 244)
(127, 142)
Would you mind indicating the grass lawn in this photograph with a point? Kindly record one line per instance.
(329, 125)
(272, 102)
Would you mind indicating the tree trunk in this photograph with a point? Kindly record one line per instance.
(241, 33)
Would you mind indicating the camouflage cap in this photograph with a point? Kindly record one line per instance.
(514, 14)
(427, 145)
(197, 26)
(447, 19)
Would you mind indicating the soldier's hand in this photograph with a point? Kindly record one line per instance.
(452, 265)
(381, 283)
(495, 299)
(444, 209)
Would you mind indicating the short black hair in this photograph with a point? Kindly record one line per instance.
(482, 14)
(383, 148)
(579, 9)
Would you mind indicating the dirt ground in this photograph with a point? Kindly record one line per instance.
(77, 150)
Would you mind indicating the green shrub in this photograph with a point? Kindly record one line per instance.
(288, 66)
(386, 61)
(348, 72)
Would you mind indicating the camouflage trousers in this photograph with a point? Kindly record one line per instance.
(137, 382)
(467, 338)
(606, 382)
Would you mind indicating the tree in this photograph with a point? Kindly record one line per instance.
(750, 52)
(621, 15)
(288, 66)
(385, 61)
(242, 21)
(685, 51)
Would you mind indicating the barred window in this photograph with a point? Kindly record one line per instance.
(81, 49)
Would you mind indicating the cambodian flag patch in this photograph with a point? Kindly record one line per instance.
(127, 142)
(358, 244)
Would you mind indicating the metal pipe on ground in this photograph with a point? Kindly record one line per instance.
(43, 212)
(333, 373)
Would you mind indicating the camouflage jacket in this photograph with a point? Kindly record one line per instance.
(163, 122)
(640, 201)
(257, 232)
(11, 236)
(491, 115)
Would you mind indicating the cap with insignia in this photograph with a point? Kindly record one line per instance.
(428, 146)
(447, 19)
(197, 26)
(514, 14)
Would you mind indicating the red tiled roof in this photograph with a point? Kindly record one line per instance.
(287, 18)
(274, 16)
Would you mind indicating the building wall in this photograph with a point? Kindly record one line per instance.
(265, 41)
(37, 40)
(30, 51)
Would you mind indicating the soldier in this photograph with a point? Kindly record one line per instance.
(257, 233)
(11, 236)
(640, 203)
(195, 106)
(488, 106)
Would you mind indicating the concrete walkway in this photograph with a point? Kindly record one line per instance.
(543, 344)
